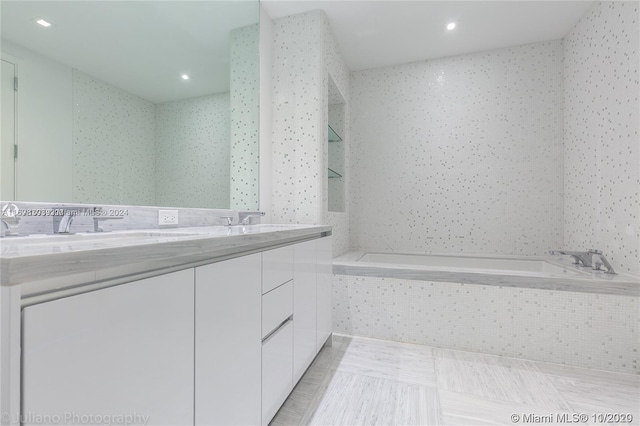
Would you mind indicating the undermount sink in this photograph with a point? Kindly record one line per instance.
(90, 237)
(138, 234)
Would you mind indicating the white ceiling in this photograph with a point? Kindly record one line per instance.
(374, 34)
(142, 47)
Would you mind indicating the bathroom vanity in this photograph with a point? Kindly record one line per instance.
(189, 326)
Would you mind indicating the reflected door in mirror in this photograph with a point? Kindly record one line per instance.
(7, 155)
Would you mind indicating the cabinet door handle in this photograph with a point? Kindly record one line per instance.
(275, 330)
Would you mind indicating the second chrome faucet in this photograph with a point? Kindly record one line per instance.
(591, 258)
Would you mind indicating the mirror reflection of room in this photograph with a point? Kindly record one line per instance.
(137, 113)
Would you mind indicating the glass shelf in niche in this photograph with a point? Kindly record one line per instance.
(333, 174)
(333, 136)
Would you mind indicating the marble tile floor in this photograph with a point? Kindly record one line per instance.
(362, 381)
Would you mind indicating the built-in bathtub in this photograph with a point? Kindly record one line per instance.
(542, 272)
(543, 308)
(475, 264)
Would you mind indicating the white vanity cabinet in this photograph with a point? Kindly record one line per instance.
(277, 267)
(218, 344)
(291, 343)
(122, 350)
(277, 329)
(228, 342)
(323, 302)
(304, 306)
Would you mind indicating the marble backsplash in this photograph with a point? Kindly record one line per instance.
(36, 218)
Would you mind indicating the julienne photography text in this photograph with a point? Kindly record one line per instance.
(73, 418)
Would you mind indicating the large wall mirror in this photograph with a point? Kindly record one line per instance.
(131, 102)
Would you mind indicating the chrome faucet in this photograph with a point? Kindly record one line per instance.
(229, 219)
(99, 218)
(592, 259)
(97, 227)
(11, 225)
(599, 260)
(244, 218)
(582, 258)
(62, 223)
(10, 220)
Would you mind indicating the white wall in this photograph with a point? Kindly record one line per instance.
(460, 154)
(602, 142)
(44, 127)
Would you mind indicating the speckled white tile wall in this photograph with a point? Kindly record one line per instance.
(297, 108)
(460, 154)
(192, 152)
(244, 98)
(340, 224)
(113, 144)
(580, 329)
(304, 54)
(177, 153)
(602, 142)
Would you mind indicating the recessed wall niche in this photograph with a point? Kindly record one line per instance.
(336, 132)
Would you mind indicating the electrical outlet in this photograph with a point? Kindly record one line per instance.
(168, 217)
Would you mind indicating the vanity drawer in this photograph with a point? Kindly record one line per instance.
(277, 306)
(277, 267)
(277, 370)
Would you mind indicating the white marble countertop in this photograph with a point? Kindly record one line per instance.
(46, 262)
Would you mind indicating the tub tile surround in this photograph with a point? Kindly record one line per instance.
(339, 221)
(601, 134)
(580, 329)
(367, 381)
(549, 147)
(479, 169)
(557, 166)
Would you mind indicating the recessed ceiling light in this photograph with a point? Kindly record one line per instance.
(451, 26)
(185, 77)
(43, 23)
